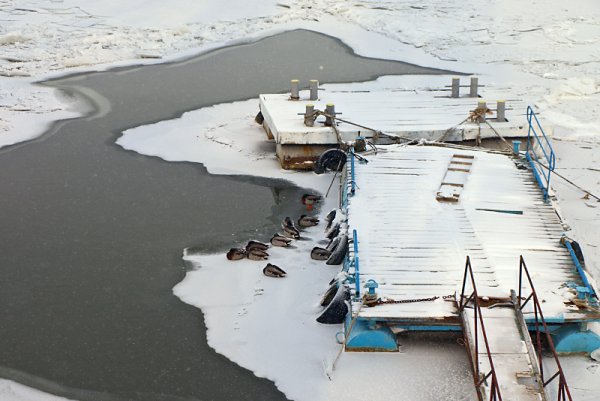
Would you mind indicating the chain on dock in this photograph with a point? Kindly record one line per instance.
(371, 302)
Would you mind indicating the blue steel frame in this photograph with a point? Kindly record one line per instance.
(542, 176)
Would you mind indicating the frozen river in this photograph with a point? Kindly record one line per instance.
(92, 234)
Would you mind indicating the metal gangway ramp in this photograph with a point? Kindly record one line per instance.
(506, 365)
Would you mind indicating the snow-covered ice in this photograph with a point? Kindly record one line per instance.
(547, 51)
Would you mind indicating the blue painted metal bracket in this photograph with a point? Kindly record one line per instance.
(580, 270)
(369, 335)
(542, 176)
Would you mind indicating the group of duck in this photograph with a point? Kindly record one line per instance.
(290, 230)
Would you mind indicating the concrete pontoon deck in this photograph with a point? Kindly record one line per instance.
(413, 242)
(417, 114)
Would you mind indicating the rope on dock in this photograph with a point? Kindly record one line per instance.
(476, 116)
(588, 193)
(346, 337)
(375, 131)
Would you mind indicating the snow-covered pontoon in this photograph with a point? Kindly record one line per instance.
(300, 122)
(449, 237)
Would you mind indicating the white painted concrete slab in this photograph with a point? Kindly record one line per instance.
(412, 114)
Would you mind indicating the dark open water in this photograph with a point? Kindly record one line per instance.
(92, 235)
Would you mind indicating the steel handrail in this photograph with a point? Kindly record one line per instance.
(352, 173)
(563, 388)
(495, 394)
(356, 264)
(544, 145)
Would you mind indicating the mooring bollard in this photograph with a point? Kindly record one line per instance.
(309, 119)
(455, 87)
(295, 92)
(516, 147)
(501, 110)
(474, 88)
(314, 89)
(330, 111)
(482, 110)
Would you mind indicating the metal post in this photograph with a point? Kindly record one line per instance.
(295, 93)
(482, 107)
(501, 111)
(330, 110)
(309, 119)
(455, 87)
(474, 88)
(516, 147)
(314, 89)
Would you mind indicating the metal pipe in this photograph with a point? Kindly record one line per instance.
(295, 92)
(314, 89)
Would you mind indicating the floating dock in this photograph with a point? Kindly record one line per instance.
(425, 114)
(416, 213)
(446, 237)
(413, 242)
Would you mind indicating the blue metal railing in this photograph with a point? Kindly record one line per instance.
(356, 264)
(541, 171)
(349, 189)
(352, 171)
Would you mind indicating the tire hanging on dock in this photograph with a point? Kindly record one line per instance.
(330, 160)
(336, 311)
(259, 118)
(339, 252)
